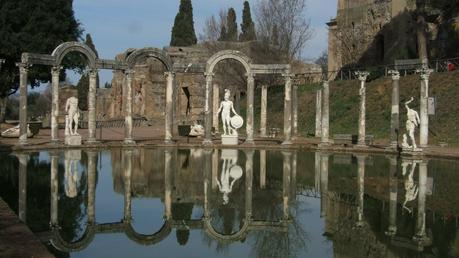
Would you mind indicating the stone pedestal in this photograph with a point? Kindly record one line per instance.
(73, 140)
(230, 140)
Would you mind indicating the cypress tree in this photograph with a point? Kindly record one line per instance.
(223, 34)
(183, 33)
(232, 25)
(83, 83)
(247, 25)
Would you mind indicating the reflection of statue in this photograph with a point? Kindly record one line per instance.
(411, 189)
(231, 172)
(71, 119)
(412, 122)
(72, 178)
(226, 106)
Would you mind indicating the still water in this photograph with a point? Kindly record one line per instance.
(234, 203)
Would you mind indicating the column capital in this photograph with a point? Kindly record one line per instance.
(325, 83)
(169, 73)
(23, 67)
(56, 69)
(395, 74)
(362, 75)
(209, 74)
(249, 153)
(129, 72)
(424, 73)
(93, 72)
(288, 75)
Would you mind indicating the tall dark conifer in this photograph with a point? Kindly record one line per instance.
(183, 33)
(83, 84)
(247, 25)
(232, 25)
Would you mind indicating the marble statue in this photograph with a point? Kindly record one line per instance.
(411, 189)
(72, 117)
(412, 122)
(230, 123)
(196, 129)
(13, 132)
(231, 172)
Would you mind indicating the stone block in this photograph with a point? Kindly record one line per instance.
(73, 140)
(230, 139)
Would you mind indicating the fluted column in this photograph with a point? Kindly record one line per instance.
(250, 116)
(127, 160)
(361, 187)
(208, 111)
(264, 109)
(55, 72)
(422, 190)
(92, 106)
(318, 132)
(170, 77)
(248, 183)
(128, 139)
(168, 174)
(286, 180)
(54, 188)
(262, 169)
(92, 175)
(324, 157)
(23, 71)
(295, 111)
(362, 76)
(325, 139)
(288, 110)
(393, 186)
(395, 111)
(22, 204)
(216, 103)
(424, 115)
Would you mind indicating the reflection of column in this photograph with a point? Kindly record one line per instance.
(392, 230)
(207, 176)
(317, 171)
(293, 183)
(323, 183)
(287, 169)
(248, 183)
(395, 111)
(424, 115)
(288, 109)
(264, 108)
(92, 106)
(170, 77)
(128, 107)
(361, 181)
(318, 113)
(215, 163)
(422, 187)
(22, 205)
(362, 76)
(23, 70)
(168, 182)
(325, 114)
(54, 188)
(295, 111)
(216, 103)
(208, 111)
(250, 100)
(262, 169)
(127, 160)
(92, 171)
(55, 71)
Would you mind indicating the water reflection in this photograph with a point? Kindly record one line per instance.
(231, 172)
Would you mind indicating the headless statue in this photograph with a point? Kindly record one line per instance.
(73, 115)
(412, 122)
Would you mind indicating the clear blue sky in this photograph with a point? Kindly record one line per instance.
(116, 25)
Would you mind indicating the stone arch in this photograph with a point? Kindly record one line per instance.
(152, 239)
(210, 230)
(159, 54)
(228, 54)
(64, 48)
(79, 245)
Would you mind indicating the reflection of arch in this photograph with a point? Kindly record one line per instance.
(233, 237)
(79, 245)
(228, 54)
(64, 48)
(161, 55)
(152, 239)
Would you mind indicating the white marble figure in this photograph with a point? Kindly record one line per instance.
(231, 172)
(226, 106)
(412, 122)
(411, 189)
(196, 129)
(13, 132)
(71, 177)
(72, 117)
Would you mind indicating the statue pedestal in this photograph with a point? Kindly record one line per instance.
(73, 140)
(230, 140)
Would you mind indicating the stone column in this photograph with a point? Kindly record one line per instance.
(168, 172)
(393, 185)
(295, 111)
(248, 184)
(127, 160)
(208, 110)
(23, 70)
(287, 171)
(325, 138)
(361, 186)
(395, 111)
(55, 72)
(250, 100)
(54, 188)
(323, 184)
(362, 76)
(318, 113)
(22, 203)
(92, 175)
(262, 169)
(170, 77)
(264, 109)
(420, 234)
(288, 110)
(423, 114)
(92, 106)
(216, 103)
(128, 107)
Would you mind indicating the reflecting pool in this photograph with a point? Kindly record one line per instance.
(234, 203)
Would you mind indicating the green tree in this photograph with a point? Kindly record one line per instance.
(32, 26)
(183, 33)
(247, 25)
(232, 25)
(223, 34)
(83, 83)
